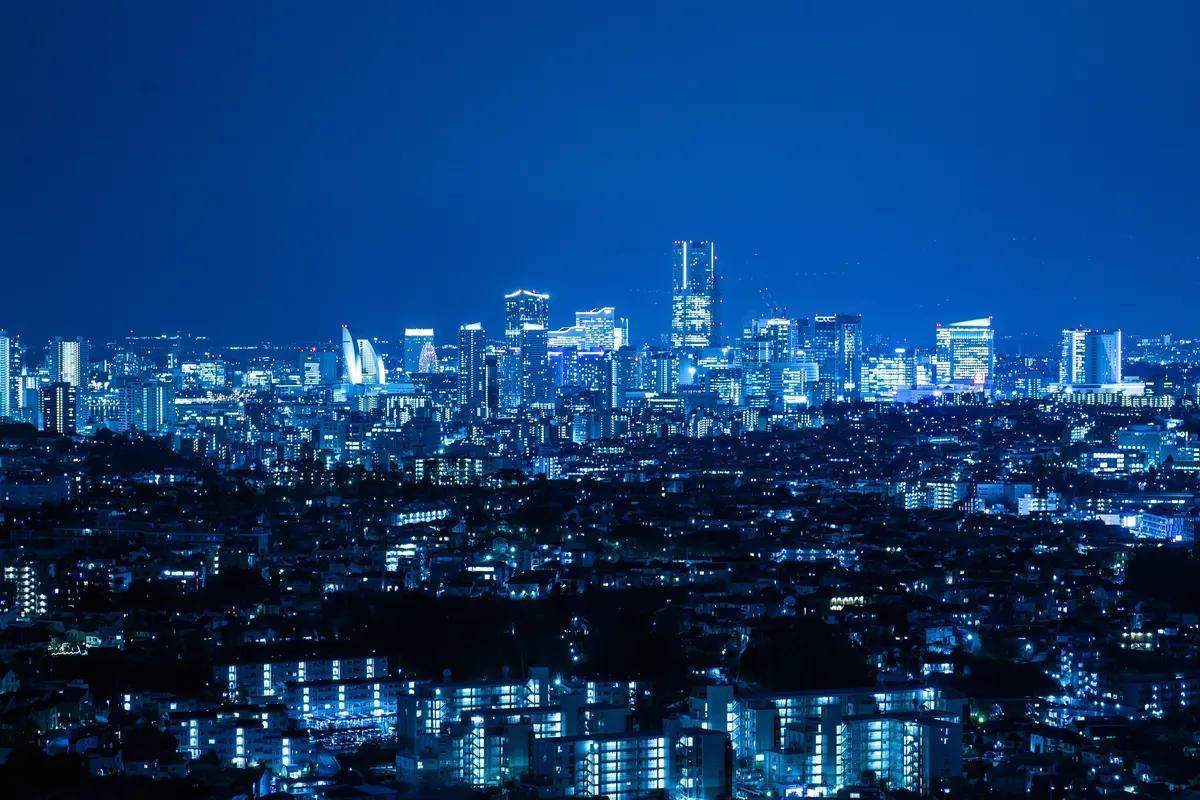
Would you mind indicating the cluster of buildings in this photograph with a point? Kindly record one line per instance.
(774, 562)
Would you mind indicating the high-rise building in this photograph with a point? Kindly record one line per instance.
(318, 367)
(146, 407)
(1090, 358)
(524, 307)
(837, 350)
(69, 361)
(58, 407)
(966, 352)
(601, 329)
(472, 371)
(7, 378)
(415, 340)
(361, 365)
(695, 296)
(779, 337)
(536, 380)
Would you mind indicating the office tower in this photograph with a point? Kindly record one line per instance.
(69, 362)
(7, 378)
(535, 365)
(58, 408)
(804, 333)
(695, 296)
(887, 372)
(837, 350)
(773, 340)
(666, 372)
(966, 352)
(318, 367)
(491, 376)
(415, 340)
(1090, 358)
(601, 329)
(566, 338)
(472, 372)
(524, 307)
(146, 407)
(619, 377)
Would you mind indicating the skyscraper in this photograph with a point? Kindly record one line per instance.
(837, 350)
(695, 296)
(472, 371)
(361, 364)
(415, 340)
(1090, 358)
(146, 406)
(966, 352)
(601, 329)
(58, 408)
(535, 365)
(779, 335)
(524, 307)
(69, 361)
(7, 379)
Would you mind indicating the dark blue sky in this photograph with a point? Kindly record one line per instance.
(273, 169)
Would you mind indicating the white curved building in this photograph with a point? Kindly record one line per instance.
(361, 365)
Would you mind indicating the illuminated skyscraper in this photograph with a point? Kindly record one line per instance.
(695, 296)
(779, 337)
(1090, 358)
(837, 350)
(361, 364)
(415, 340)
(7, 379)
(601, 330)
(146, 407)
(58, 407)
(69, 361)
(536, 380)
(472, 371)
(524, 307)
(966, 352)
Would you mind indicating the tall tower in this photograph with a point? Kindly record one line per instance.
(524, 307)
(695, 296)
(69, 361)
(599, 328)
(966, 352)
(535, 365)
(1090, 358)
(7, 379)
(472, 371)
(58, 408)
(837, 349)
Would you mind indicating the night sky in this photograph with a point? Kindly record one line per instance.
(255, 170)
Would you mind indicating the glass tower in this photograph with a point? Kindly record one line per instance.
(1090, 358)
(472, 371)
(524, 307)
(695, 296)
(7, 379)
(837, 350)
(966, 352)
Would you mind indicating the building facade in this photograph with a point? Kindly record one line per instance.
(695, 296)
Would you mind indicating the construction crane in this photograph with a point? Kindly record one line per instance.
(770, 303)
